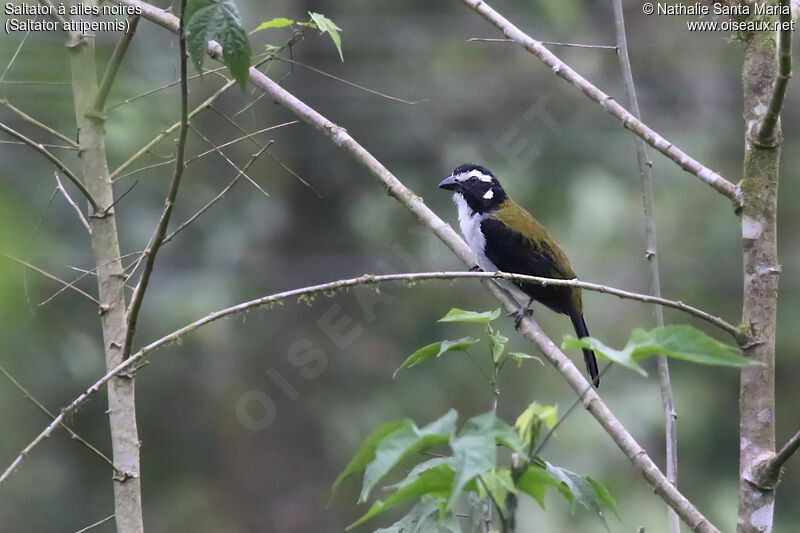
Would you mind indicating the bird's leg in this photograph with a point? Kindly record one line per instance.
(522, 312)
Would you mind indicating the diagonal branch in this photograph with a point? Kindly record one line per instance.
(588, 397)
(651, 256)
(768, 473)
(591, 401)
(767, 135)
(53, 159)
(161, 229)
(46, 411)
(629, 121)
(114, 64)
(54, 278)
(38, 124)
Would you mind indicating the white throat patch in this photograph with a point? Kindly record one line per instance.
(470, 223)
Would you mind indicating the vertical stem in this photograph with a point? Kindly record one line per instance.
(651, 243)
(759, 189)
(110, 279)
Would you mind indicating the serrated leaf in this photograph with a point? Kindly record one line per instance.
(326, 25)
(278, 22)
(529, 422)
(576, 488)
(603, 495)
(218, 20)
(498, 342)
(436, 482)
(398, 445)
(679, 342)
(489, 425)
(520, 356)
(422, 518)
(366, 454)
(435, 350)
(535, 481)
(459, 315)
(498, 483)
(472, 456)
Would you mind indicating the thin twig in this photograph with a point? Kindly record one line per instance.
(53, 159)
(54, 278)
(549, 43)
(255, 142)
(165, 133)
(249, 136)
(16, 53)
(351, 84)
(769, 473)
(561, 69)
(327, 289)
(651, 255)
(218, 197)
(114, 64)
(71, 202)
(98, 523)
(88, 272)
(46, 411)
(38, 124)
(53, 146)
(228, 160)
(529, 328)
(767, 134)
(161, 229)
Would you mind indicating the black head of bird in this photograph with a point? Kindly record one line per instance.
(504, 236)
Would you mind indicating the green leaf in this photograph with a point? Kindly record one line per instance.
(218, 20)
(498, 483)
(399, 444)
(366, 454)
(423, 518)
(436, 482)
(679, 342)
(459, 315)
(577, 488)
(279, 22)
(326, 25)
(498, 342)
(529, 423)
(472, 456)
(535, 481)
(604, 496)
(520, 356)
(489, 425)
(435, 350)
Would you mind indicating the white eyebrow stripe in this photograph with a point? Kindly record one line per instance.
(480, 175)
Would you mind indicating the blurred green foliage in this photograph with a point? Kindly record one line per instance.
(204, 467)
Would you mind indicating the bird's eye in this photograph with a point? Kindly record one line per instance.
(473, 179)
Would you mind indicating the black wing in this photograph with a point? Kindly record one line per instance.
(513, 252)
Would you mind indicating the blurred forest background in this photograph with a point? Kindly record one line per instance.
(205, 467)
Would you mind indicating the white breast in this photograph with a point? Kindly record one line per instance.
(470, 223)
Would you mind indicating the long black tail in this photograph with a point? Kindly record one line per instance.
(588, 355)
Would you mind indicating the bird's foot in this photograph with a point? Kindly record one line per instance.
(519, 314)
(476, 268)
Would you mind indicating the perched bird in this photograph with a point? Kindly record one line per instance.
(504, 236)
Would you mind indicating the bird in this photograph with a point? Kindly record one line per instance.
(505, 237)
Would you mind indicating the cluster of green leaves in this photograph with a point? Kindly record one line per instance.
(496, 340)
(219, 20)
(471, 467)
(679, 342)
(317, 21)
